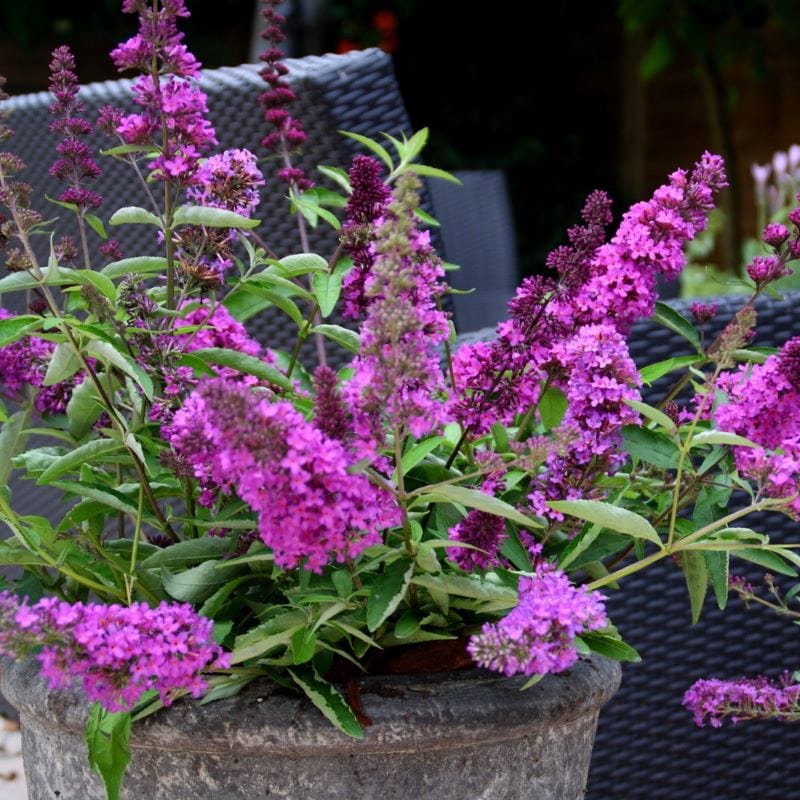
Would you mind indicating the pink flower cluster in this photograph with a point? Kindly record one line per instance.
(117, 653)
(24, 363)
(597, 375)
(481, 530)
(397, 377)
(649, 243)
(763, 404)
(75, 163)
(229, 180)
(538, 635)
(745, 699)
(171, 103)
(310, 507)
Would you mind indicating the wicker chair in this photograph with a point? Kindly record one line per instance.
(647, 746)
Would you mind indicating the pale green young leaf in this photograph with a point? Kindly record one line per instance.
(134, 215)
(652, 372)
(433, 172)
(327, 287)
(651, 413)
(348, 339)
(721, 437)
(372, 145)
(424, 217)
(338, 175)
(210, 217)
(138, 265)
(474, 586)
(96, 224)
(612, 517)
(300, 264)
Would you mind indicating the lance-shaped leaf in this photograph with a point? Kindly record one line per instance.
(388, 592)
(109, 354)
(250, 365)
(139, 265)
(474, 498)
(328, 700)
(86, 453)
(212, 218)
(348, 339)
(612, 517)
(108, 742)
(134, 215)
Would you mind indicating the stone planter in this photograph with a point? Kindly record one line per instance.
(452, 736)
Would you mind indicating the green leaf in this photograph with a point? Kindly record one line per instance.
(326, 290)
(139, 265)
(552, 407)
(194, 585)
(267, 297)
(109, 354)
(427, 219)
(610, 646)
(64, 363)
(212, 218)
(417, 453)
(127, 149)
(96, 224)
(651, 413)
(101, 282)
(696, 573)
(474, 586)
(84, 407)
(86, 453)
(343, 582)
(652, 447)
(612, 517)
(338, 175)
(652, 372)
(432, 172)
(12, 440)
(717, 565)
(301, 264)
(304, 645)
(134, 215)
(250, 365)
(328, 700)
(372, 145)
(192, 551)
(348, 339)
(408, 624)
(676, 322)
(108, 742)
(388, 592)
(102, 494)
(15, 328)
(765, 558)
(721, 437)
(23, 280)
(474, 498)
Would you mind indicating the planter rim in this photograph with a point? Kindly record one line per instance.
(409, 713)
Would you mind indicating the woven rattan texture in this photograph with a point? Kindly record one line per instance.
(647, 746)
(352, 92)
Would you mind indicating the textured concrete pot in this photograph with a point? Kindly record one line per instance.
(453, 736)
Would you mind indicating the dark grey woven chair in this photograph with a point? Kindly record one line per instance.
(478, 234)
(354, 92)
(647, 746)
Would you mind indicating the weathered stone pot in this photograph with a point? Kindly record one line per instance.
(452, 736)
